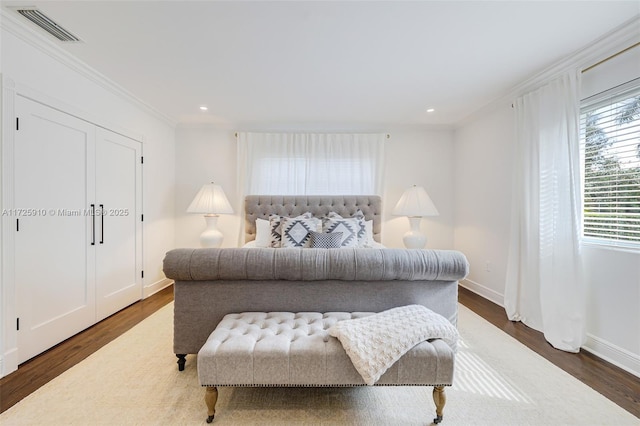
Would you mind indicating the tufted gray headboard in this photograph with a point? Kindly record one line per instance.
(261, 206)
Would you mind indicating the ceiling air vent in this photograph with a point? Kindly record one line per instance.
(47, 24)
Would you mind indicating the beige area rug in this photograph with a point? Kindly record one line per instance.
(135, 381)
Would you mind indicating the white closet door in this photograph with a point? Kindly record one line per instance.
(54, 259)
(119, 244)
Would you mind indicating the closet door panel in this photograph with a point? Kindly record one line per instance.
(118, 250)
(54, 258)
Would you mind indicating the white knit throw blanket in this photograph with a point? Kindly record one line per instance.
(375, 342)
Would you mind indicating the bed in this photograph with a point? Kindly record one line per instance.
(211, 283)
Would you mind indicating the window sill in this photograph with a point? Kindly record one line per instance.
(606, 245)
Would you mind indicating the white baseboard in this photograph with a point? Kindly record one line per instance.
(609, 352)
(8, 362)
(614, 354)
(153, 288)
(483, 291)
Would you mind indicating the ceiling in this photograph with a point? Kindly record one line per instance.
(349, 63)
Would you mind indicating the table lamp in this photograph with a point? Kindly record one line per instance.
(415, 203)
(211, 202)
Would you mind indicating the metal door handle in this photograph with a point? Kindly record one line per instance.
(93, 224)
(101, 223)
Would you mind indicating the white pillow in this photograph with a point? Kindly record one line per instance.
(263, 233)
(376, 245)
(368, 234)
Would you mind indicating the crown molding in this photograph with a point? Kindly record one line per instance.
(614, 41)
(322, 127)
(13, 25)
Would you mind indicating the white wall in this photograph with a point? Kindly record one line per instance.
(613, 305)
(483, 156)
(205, 153)
(38, 67)
(483, 148)
(414, 157)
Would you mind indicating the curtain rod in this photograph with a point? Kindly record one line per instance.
(387, 135)
(610, 57)
(606, 59)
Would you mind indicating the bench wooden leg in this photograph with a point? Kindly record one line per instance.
(210, 398)
(440, 399)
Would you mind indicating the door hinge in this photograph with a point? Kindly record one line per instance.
(142, 274)
(17, 225)
(18, 324)
(17, 123)
(141, 218)
(141, 160)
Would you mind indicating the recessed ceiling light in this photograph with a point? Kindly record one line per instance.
(203, 108)
(430, 110)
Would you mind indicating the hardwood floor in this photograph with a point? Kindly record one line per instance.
(612, 382)
(39, 370)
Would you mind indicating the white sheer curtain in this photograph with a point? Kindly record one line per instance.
(310, 164)
(544, 287)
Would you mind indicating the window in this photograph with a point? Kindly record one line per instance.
(610, 159)
(303, 176)
(311, 164)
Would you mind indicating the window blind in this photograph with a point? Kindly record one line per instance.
(610, 150)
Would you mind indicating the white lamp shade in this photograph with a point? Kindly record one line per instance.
(415, 202)
(210, 200)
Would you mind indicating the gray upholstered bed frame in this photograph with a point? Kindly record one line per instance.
(262, 206)
(210, 283)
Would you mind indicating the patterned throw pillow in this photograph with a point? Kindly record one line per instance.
(326, 241)
(275, 225)
(275, 237)
(365, 238)
(296, 231)
(352, 229)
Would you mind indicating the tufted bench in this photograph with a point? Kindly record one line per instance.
(295, 349)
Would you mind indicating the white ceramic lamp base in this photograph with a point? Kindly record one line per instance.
(211, 237)
(414, 238)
